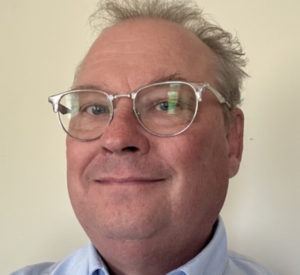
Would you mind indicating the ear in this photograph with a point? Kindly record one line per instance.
(235, 133)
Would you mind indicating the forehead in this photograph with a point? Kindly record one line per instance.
(141, 50)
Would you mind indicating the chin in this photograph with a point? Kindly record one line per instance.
(131, 229)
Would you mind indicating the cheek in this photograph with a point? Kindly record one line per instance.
(78, 158)
(79, 155)
(200, 161)
(193, 153)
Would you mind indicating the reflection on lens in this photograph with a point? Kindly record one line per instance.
(172, 102)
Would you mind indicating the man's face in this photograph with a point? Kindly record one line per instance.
(130, 185)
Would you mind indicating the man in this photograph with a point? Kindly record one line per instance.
(154, 134)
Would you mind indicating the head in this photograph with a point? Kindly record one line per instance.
(228, 53)
(129, 186)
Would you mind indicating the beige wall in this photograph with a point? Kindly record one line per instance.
(42, 42)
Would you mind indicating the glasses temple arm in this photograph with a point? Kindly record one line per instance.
(64, 110)
(220, 97)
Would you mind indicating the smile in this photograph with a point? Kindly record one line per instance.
(129, 180)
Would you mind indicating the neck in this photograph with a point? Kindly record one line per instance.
(149, 257)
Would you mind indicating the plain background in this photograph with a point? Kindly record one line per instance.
(41, 44)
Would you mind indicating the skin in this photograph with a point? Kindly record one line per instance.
(149, 203)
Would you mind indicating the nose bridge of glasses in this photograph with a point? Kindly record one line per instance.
(131, 96)
(118, 96)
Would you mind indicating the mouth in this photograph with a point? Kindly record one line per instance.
(127, 181)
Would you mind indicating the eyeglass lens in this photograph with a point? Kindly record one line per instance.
(164, 109)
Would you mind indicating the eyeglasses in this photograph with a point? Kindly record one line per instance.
(164, 109)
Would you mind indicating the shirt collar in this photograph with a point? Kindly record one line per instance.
(96, 264)
(212, 259)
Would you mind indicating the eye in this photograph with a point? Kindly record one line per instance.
(164, 106)
(96, 110)
(168, 105)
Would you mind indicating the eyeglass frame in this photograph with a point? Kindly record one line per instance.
(198, 88)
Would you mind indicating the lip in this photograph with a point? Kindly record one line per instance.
(129, 180)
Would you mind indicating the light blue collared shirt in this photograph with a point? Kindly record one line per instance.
(214, 259)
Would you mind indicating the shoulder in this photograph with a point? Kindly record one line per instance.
(242, 265)
(78, 259)
(37, 269)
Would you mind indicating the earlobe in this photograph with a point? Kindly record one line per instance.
(234, 137)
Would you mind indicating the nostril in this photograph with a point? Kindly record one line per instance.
(131, 149)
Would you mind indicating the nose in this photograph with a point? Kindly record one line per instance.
(124, 134)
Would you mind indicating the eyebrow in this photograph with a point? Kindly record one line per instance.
(171, 77)
(89, 87)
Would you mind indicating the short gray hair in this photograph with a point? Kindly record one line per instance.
(228, 52)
